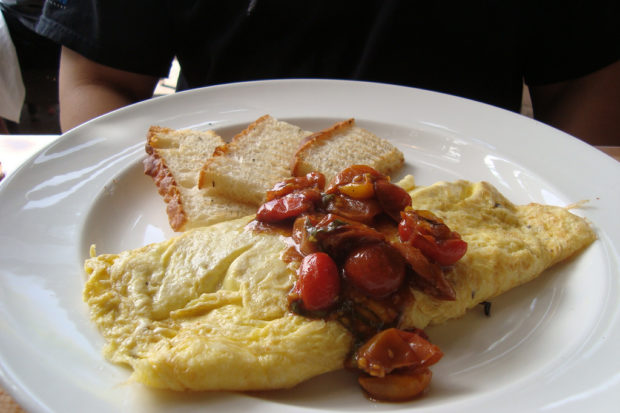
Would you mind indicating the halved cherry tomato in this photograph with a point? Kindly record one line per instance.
(306, 243)
(396, 387)
(393, 349)
(318, 282)
(427, 232)
(396, 363)
(314, 180)
(361, 187)
(361, 210)
(376, 269)
(336, 235)
(289, 206)
(430, 278)
(392, 198)
(348, 175)
(444, 252)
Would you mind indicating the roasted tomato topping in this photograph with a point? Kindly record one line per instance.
(318, 282)
(392, 198)
(289, 206)
(362, 249)
(337, 235)
(393, 349)
(361, 187)
(396, 364)
(303, 235)
(361, 210)
(356, 174)
(429, 234)
(397, 387)
(314, 180)
(376, 269)
(361, 193)
(429, 276)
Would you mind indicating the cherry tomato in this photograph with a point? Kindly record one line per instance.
(443, 252)
(376, 269)
(396, 387)
(289, 206)
(336, 235)
(396, 362)
(429, 234)
(318, 282)
(392, 198)
(314, 180)
(306, 243)
(361, 210)
(430, 278)
(394, 349)
(361, 187)
(353, 173)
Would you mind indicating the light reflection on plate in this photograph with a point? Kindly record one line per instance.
(550, 345)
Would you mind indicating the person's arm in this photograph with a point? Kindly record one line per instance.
(88, 89)
(588, 107)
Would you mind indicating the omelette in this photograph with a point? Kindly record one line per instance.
(208, 309)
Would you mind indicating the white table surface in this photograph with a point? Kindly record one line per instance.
(15, 149)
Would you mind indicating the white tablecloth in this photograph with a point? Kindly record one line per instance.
(15, 149)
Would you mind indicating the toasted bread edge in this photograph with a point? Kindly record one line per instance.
(156, 168)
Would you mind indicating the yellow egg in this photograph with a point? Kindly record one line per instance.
(208, 310)
(508, 245)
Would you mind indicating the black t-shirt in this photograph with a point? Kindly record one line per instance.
(27, 12)
(481, 50)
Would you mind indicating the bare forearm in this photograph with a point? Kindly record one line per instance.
(88, 89)
(588, 108)
(82, 103)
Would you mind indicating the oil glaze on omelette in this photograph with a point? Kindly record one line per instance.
(208, 310)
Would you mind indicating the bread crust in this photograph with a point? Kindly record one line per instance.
(155, 167)
(327, 151)
(174, 160)
(317, 138)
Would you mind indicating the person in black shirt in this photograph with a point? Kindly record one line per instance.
(114, 51)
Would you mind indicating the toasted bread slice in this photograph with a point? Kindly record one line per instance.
(174, 160)
(256, 159)
(342, 145)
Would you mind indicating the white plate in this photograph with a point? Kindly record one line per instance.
(551, 345)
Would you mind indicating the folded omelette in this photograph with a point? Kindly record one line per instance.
(208, 310)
